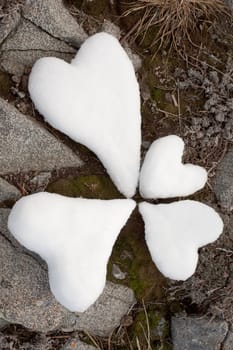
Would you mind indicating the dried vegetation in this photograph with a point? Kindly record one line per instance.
(176, 21)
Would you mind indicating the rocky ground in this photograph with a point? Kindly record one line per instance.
(139, 308)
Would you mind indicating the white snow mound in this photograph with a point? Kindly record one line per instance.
(175, 231)
(164, 176)
(75, 237)
(95, 100)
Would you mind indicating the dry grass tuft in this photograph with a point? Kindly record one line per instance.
(177, 21)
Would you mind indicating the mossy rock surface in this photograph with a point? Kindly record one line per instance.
(131, 254)
(86, 186)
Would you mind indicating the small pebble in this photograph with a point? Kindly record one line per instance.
(117, 273)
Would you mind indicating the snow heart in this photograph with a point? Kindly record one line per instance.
(164, 176)
(75, 248)
(95, 100)
(175, 231)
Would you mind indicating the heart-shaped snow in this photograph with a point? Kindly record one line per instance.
(164, 176)
(95, 100)
(75, 236)
(175, 231)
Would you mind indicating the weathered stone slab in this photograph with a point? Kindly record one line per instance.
(190, 333)
(25, 295)
(25, 145)
(223, 184)
(29, 37)
(29, 43)
(26, 298)
(15, 62)
(102, 317)
(54, 18)
(228, 344)
(8, 23)
(8, 191)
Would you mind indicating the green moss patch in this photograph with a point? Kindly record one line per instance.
(131, 254)
(91, 186)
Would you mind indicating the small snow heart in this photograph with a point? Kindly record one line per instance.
(95, 100)
(164, 176)
(175, 231)
(75, 237)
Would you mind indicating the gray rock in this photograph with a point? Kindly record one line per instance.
(30, 37)
(8, 23)
(25, 145)
(223, 184)
(76, 344)
(25, 295)
(55, 19)
(26, 298)
(39, 182)
(136, 59)
(15, 62)
(105, 315)
(4, 213)
(190, 333)
(29, 43)
(228, 344)
(117, 273)
(146, 144)
(111, 28)
(8, 191)
(3, 323)
(229, 3)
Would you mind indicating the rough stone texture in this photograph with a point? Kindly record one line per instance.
(25, 145)
(39, 182)
(54, 18)
(76, 344)
(8, 23)
(29, 43)
(30, 37)
(117, 273)
(223, 185)
(104, 316)
(229, 3)
(228, 344)
(3, 323)
(4, 213)
(111, 28)
(136, 60)
(45, 30)
(25, 295)
(15, 62)
(189, 333)
(26, 298)
(8, 191)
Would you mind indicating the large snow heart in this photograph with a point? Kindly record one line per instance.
(175, 231)
(95, 100)
(164, 176)
(75, 236)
